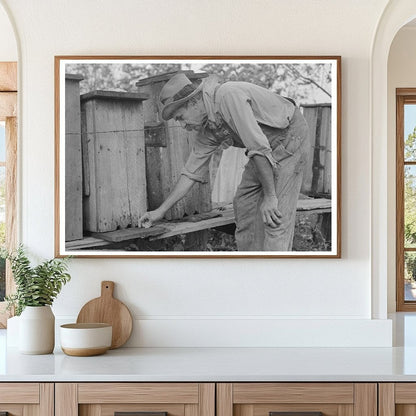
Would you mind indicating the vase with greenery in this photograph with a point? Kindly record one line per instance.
(36, 289)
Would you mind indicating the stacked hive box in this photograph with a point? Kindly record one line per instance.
(167, 149)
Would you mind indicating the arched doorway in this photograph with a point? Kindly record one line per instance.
(395, 16)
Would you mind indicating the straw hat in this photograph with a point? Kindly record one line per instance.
(175, 93)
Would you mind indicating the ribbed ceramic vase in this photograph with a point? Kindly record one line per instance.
(37, 330)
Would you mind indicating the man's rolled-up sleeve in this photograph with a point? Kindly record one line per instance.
(197, 165)
(235, 105)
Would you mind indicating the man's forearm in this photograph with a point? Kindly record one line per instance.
(265, 174)
(182, 187)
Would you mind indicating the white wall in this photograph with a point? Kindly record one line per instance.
(202, 302)
(8, 47)
(401, 74)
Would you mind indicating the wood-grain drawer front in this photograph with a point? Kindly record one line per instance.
(27, 393)
(340, 393)
(138, 393)
(405, 393)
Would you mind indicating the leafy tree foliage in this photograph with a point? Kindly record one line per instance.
(410, 205)
(306, 83)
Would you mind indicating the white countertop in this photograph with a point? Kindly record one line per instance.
(215, 364)
(222, 364)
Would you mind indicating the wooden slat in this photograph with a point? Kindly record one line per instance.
(47, 399)
(130, 233)
(8, 105)
(400, 304)
(365, 399)
(66, 399)
(191, 410)
(8, 76)
(19, 393)
(30, 410)
(293, 393)
(73, 161)
(346, 410)
(224, 399)
(386, 399)
(405, 393)
(138, 393)
(207, 399)
(406, 91)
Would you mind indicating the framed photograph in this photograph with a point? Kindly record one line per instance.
(198, 156)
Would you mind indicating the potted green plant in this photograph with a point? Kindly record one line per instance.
(36, 289)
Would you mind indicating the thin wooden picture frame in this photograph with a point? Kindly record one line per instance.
(101, 96)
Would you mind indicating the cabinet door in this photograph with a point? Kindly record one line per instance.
(397, 399)
(26, 399)
(297, 399)
(141, 399)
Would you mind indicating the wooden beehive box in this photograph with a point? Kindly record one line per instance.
(113, 160)
(167, 149)
(317, 177)
(73, 159)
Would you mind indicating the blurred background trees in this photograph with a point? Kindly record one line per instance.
(306, 83)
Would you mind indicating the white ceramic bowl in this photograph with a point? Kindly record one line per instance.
(84, 340)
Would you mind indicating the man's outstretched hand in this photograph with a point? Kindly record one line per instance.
(148, 219)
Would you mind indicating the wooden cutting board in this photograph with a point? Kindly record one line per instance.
(107, 309)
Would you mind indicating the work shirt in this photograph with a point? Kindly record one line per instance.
(236, 111)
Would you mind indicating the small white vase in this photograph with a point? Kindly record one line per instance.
(37, 330)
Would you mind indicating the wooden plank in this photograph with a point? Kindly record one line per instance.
(86, 242)
(340, 393)
(190, 227)
(345, 410)
(405, 393)
(326, 152)
(400, 294)
(190, 410)
(166, 76)
(47, 399)
(138, 393)
(310, 115)
(114, 95)
(66, 399)
(8, 76)
(207, 399)
(130, 234)
(365, 399)
(24, 393)
(8, 105)
(224, 399)
(313, 203)
(73, 161)
(30, 410)
(386, 399)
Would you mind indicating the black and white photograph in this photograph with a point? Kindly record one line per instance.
(198, 156)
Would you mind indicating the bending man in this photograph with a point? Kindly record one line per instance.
(275, 135)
